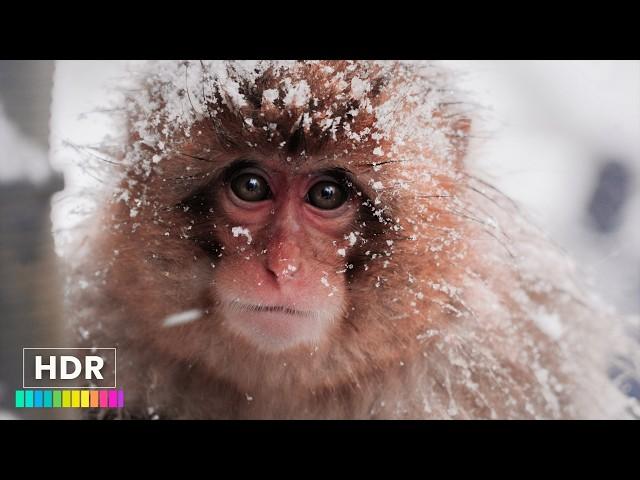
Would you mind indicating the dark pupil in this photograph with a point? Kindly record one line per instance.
(328, 192)
(326, 195)
(250, 187)
(252, 184)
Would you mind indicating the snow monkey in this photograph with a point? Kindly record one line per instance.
(303, 240)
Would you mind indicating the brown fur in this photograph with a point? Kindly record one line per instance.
(438, 325)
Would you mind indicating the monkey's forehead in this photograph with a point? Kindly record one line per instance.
(301, 106)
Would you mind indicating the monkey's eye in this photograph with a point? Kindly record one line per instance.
(327, 195)
(250, 187)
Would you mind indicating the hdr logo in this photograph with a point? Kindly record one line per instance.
(69, 378)
(93, 365)
(69, 368)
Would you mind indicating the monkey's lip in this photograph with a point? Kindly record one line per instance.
(262, 308)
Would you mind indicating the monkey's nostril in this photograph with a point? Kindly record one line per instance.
(272, 273)
(282, 269)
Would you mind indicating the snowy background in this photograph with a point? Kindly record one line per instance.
(564, 141)
(560, 137)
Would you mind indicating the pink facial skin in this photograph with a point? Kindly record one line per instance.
(282, 282)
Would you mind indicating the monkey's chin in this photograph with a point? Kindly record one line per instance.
(276, 328)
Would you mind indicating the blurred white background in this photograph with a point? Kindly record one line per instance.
(564, 141)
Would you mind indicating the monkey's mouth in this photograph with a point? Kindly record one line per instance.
(275, 327)
(259, 308)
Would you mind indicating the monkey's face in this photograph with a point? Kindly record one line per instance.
(280, 278)
(293, 232)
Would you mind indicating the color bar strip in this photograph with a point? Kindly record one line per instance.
(84, 398)
(75, 398)
(19, 398)
(94, 399)
(104, 399)
(69, 398)
(48, 399)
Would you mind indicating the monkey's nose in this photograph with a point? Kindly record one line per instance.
(283, 268)
(284, 261)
